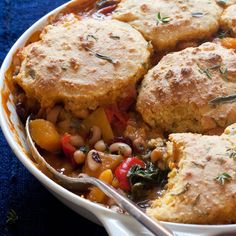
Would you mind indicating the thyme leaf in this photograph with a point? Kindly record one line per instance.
(223, 34)
(223, 177)
(223, 99)
(91, 36)
(197, 14)
(11, 217)
(103, 57)
(161, 19)
(32, 73)
(115, 37)
(232, 153)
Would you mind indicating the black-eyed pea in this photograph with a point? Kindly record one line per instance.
(100, 146)
(79, 157)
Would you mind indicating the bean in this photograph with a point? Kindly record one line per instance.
(100, 146)
(121, 148)
(79, 157)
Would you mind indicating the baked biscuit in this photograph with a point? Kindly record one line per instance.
(175, 94)
(202, 189)
(228, 20)
(168, 22)
(83, 63)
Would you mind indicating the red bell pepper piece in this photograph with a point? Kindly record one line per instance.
(107, 10)
(68, 148)
(122, 170)
(116, 118)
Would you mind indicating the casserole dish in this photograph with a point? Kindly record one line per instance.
(115, 224)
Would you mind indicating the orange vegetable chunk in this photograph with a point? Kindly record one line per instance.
(45, 135)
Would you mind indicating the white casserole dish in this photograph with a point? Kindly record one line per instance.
(115, 224)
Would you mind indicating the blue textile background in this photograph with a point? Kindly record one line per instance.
(38, 211)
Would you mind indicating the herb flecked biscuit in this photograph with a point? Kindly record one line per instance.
(167, 22)
(228, 19)
(175, 94)
(202, 189)
(83, 63)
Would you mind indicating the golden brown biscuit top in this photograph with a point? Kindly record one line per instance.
(228, 19)
(192, 77)
(167, 22)
(83, 63)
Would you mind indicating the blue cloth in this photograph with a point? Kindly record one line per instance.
(38, 211)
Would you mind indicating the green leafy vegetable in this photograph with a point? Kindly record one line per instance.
(223, 99)
(161, 19)
(141, 179)
(11, 217)
(223, 177)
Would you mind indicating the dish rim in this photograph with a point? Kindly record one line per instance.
(25, 160)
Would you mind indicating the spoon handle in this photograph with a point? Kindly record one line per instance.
(154, 226)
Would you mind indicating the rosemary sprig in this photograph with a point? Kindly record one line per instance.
(103, 57)
(161, 19)
(91, 36)
(223, 34)
(232, 153)
(11, 217)
(197, 14)
(223, 99)
(223, 177)
(115, 37)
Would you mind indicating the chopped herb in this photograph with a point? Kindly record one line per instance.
(96, 157)
(221, 2)
(141, 179)
(197, 14)
(11, 217)
(91, 36)
(161, 19)
(198, 164)
(232, 153)
(184, 190)
(224, 72)
(223, 99)
(115, 37)
(206, 71)
(103, 57)
(63, 68)
(32, 73)
(223, 177)
(223, 34)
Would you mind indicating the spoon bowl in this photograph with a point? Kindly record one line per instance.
(83, 181)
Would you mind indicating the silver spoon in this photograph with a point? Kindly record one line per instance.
(83, 181)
